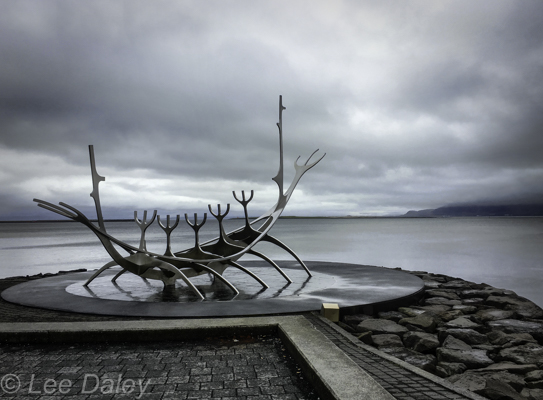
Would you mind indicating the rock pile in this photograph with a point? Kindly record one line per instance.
(485, 339)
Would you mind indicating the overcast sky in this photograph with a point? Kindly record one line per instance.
(417, 104)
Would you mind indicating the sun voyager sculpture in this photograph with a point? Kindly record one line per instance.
(211, 257)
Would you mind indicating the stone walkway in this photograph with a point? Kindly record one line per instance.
(248, 368)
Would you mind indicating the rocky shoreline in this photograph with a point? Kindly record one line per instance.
(485, 339)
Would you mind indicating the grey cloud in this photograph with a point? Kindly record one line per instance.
(416, 104)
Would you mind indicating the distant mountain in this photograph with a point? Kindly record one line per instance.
(514, 210)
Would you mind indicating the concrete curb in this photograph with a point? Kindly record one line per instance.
(132, 331)
(332, 373)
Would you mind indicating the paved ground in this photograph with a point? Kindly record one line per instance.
(251, 368)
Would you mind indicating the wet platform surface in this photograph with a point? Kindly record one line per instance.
(348, 285)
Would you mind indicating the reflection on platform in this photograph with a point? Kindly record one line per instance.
(130, 287)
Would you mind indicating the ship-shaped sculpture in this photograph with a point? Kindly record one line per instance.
(211, 257)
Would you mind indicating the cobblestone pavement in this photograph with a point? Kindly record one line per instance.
(248, 368)
(399, 382)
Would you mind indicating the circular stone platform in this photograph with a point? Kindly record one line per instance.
(348, 285)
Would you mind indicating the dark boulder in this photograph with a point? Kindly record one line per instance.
(534, 379)
(471, 382)
(453, 343)
(500, 338)
(411, 311)
(463, 323)
(450, 315)
(447, 294)
(466, 309)
(493, 315)
(445, 369)
(380, 326)
(441, 301)
(532, 394)
(469, 336)
(387, 340)
(520, 305)
(519, 369)
(425, 321)
(530, 353)
(457, 284)
(474, 301)
(516, 326)
(470, 358)
(496, 389)
(481, 293)
(486, 386)
(391, 315)
(422, 342)
(355, 319)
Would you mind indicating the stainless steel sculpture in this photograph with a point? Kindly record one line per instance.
(211, 257)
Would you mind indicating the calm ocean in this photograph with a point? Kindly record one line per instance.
(505, 252)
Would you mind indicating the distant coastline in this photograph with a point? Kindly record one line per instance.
(475, 210)
(449, 211)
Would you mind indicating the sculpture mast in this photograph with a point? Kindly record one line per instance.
(95, 194)
(279, 177)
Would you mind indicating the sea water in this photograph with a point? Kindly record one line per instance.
(506, 252)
